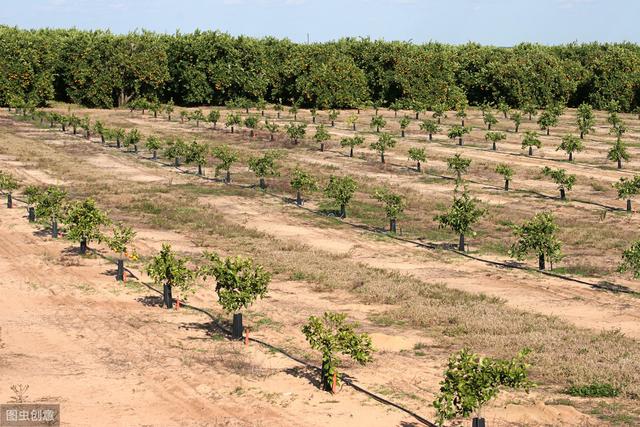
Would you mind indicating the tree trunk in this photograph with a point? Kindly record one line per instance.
(263, 185)
(460, 141)
(9, 201)
(313, 119)
(430, 137)
(231, 129)
(83, 246)
(417, 114)
(278, 114)
(628, 205)
(581, 135)
(32, 214)
(169, 117)
(530, 150)
(54, 228)
(478, 422)
(238, 329)
(494, 146)
(461, 243)
(402, 133)
(418, 166)
(322, 146)
(64, 127)
(155, 154)
(354, 127)
(540, 261)
(251, 133)
(392, 225)
(571, 156)
(462, 122)
(506, 185)
(298, 198)
(548, 129)
(199, 169)
(120, 270)
(118, 143)
(382, 157)
(351, 152)
(619, 163)
(75, 130)
(325, 379)
(176, 162)
(227, 178)
(489, 126)
(333, 123)
(102, 138)
(343, 211)
(562, 194)
(155, 114)
(167, 296)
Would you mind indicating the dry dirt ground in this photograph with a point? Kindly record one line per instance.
(111, 356)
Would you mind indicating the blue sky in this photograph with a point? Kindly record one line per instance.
(495, 22)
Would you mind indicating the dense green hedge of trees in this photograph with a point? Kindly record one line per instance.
(100, 69)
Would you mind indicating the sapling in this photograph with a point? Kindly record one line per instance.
(213, 117)
(470, 381)
(377, 122)
(272, 127)
(184, 114)
(122, 237)
(531, 140)
(153, 144)
(197, 154)
(560, 177)
(404, 123)
(74, 122)
(302, 181)
(168, 108)
(49, 207)
(232, 121)
(333, 115)
(384, 142)
(503, 107)
(331, 335)
(265, 166)
(170, 270)
(570, 144)
(294, 111)
(507, 173)
(531, 110)
(197, 116)
(8, 184)
(352, 120)
(394, 205)
(239, 283)
(631, 260)
(175, 149)
(547, 119)
(119, 135)
(99, 129)
(585, 119)
(227, 157)
(537, 236)
(155, 107)
(278, 107)
(132, 139)
(341, 190)
(618, 153)
(396, 106)
(461, 216)
(489, 120)
(297, 131)
(439, 112)
(461, 113)
(314, 115)
(627, 188)
(33, 194)
(251, 123)
(516, 118)
(418, 155)
(83, 220)
(352, 142)
(459, 132)
(495, 137)
(430, 127)
(459, 165)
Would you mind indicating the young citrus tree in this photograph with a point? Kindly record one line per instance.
(627, 188)
(394, 205)
(459, 165)
(352, 120)
(302, 181)
(169, 108)
(184, 115)
(265, 166)
(531, 110)
(547, 119)
(84, 220)
(8, 184)
(272, 128)
(314, 115)
(227, 157)
(214, 117)
(294, 110)
(251, 123)
(297, 131)
(197, 154)
(232, 121)
(503, 107)
(153, 144)
(470, 381)
(537, 236)
(418, 155)
(341, 190)
(85, 125)
(561, 178)
(377, 122)
(384, 142)
(132, 139)
(332, 335)
(531, 140)
(489, 120)
(516, 118)
(631, 260)
(119, 243)
(351, 142)
(507, 173)
(495, 137)
(239, 283)
(170, 270)
(176, 149)
(404, 123)
(333, 115)
(119, 134)
(155, 107)
(585, 119)
(459, 132)
(49, 207)
(197, 116)
(570, 144)
(618, 153)
(461, 113)
(430, 127)
(462, 215)
(99, 129)
(439, 112)
(74, 122)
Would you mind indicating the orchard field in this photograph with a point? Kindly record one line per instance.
(111, 350)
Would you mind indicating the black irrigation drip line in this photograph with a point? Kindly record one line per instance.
(607, 286)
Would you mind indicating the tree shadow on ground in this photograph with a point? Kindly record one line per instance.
(310, 374)
(150, 301)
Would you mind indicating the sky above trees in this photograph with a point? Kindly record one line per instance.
(494, 22)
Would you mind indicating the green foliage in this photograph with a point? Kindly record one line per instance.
(239, 281)
(196, 153)
(516, 118)
(303, 181)
(627, 187)
(495, 137)
(321, 134)
(271, 127)
(459, 165)
(404, 122)
(631, 260)
(296, 131)
(505, 170)
(214, 116)
(537, 236)
(384, 142)
(121, 239)
(49, 204)
(530, 140)
(618, 152)
(265, 165)
(233, 120)
(226, 156)
(439, 111)
(341, 190)
(352, 142)
(377, 122)
(458, 131)
(593, 390)
(167, 268)
(251, 122)
(463, 213)
(430, 127)
(153, 143)
(547, 119)
(560, 177)
(7, 182)
(585, 119)
(417, 154)
(394, 204)
(176, 148)
(84, 221)
(132, 139)
(570, 144)
(471, 381)
(489, 119)
(332, 335)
